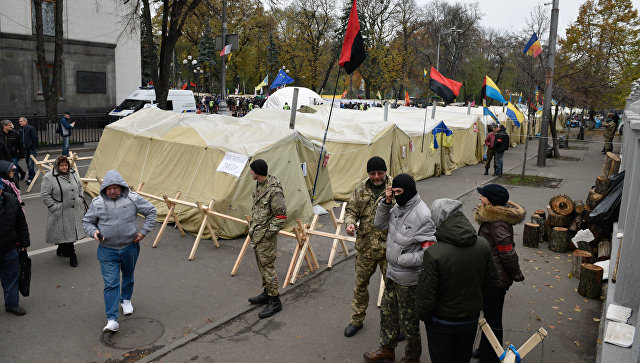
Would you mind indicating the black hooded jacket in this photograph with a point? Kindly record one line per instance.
(14, 232)
(501, 142)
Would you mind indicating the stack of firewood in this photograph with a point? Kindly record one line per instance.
(557, 225)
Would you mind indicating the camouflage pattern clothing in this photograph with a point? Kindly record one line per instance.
(609, 133)
(398, 314)
(370, 244)
(268, 216)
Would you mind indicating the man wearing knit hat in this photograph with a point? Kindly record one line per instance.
(371, 241)
(268, 217)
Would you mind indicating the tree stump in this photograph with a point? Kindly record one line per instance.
(584, 246)
(576, 224)
(561, 204)
(557, 220)
(559, 241)
(577, 259)
(531, 235)
(601, 185)
(594, 198)
(578, 206)
(541, 213)
(604, 250)
(536, 219)
(611, 165)
(590, 284)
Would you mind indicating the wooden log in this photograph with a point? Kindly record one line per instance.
(594, 198)
(561, 204)
(559, 241)
(615, 163)
(576, 224)
(601, 185)
(606, 166)
(578, 206)
(557, 220)
(579, 257)
(540, 222)
(590, 285)
(584, 246)
(604, 250)
(541, 213)
(531, 235)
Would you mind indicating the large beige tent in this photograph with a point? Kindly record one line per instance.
(350, 144)
(172, 152)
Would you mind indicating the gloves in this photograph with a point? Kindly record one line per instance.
(518, 277)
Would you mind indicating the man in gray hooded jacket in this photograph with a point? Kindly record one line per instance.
(410, 232)
(112, 221)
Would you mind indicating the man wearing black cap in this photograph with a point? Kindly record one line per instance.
(268, 217)
(370, 242)
(497, 215)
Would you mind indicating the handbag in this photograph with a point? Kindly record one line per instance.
(24, 277)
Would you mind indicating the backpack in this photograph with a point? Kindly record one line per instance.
(59, 129)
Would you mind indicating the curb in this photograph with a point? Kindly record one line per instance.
(227, 318)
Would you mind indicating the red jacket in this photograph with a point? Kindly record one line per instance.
(488, 141)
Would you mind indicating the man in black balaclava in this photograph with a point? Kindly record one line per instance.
(408, 186)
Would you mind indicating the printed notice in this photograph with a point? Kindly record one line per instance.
(233, 163)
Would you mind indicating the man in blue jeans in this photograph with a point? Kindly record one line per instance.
(500, 144)
(111, 220)
(65, 132)
(30, 143)
(14, 235)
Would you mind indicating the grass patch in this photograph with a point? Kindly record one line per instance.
(530, 181)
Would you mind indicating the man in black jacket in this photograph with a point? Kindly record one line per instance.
(14, 235)
(30, 144)
(13, 141)
(456, 271)
(500, 145)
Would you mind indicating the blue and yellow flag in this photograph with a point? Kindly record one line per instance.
(444, 133)
(515, 114)
(424, 72)
(487, 112)
(489, 89)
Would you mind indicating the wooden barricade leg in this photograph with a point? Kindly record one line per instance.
(206, 218)
(304, 253)
(294, 258)
(170, 214)
(381, 292)
(243, 250)
(312, 254)
(40, 170)
(72, 159)
(205, 223)
(338, 224)
(495, 343)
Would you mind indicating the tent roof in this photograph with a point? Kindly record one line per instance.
(306, 97)
(225, 133)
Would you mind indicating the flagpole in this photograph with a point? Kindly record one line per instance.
(324, 139)
(424, 128)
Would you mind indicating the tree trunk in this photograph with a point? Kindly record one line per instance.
(604, 250)
(541, 213)
(561, 204)
(556, 220)
(559, 241)
(531, 235)
(536, 219)
(585, 246)
(50, 88)
(578, 257)
(590, 281)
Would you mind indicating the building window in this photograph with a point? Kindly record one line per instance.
(38, 85)
(48, 17)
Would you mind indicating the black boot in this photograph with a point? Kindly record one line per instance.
(263, 298)
(486, 171)
(73, 260)
(272, 307)
(60, 250)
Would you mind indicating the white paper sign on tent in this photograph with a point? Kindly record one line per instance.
(233, 163)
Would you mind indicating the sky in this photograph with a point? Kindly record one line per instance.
(511, 15)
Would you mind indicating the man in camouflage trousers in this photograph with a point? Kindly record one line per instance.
(609, 133)
(268, 216)
(370, 242)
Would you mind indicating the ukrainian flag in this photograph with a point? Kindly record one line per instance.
(445, 134)
(490, 89)
(487, 112)
(514, 114)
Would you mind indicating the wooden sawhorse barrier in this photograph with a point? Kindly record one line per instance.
(47, 164)
(511, 354)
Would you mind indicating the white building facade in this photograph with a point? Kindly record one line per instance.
(101, 63)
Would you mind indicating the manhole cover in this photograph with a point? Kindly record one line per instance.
(134, 333)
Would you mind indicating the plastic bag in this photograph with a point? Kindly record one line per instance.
(24, 277)
(608, 209)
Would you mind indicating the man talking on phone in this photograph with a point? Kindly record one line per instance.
(111, 220)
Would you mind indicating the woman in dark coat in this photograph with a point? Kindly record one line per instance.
(496, 216)
(62, 194)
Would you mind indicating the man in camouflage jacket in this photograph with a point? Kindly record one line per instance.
(268, 216)
(609, 133)
(370, 242)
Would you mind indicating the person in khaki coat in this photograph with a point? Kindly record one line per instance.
(62, 194)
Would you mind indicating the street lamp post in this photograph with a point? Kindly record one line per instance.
(190, 63)
(439, 34)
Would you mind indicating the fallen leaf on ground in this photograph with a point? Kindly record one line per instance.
(538, 318)
(569, 275)
(552, 326)
(599, 341)
(596, 319)
(577, 309)
(560, 313)
(569, 318)
(554, 307)
(576, 342)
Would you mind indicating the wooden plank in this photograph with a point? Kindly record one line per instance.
(332, 235)
(532, 342)
(40, 170)
(205, 215)
(314, 222)
(486, 329)
(294, 258)
(198, 237)
(243, 250)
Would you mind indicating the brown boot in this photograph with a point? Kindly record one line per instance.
(407, 360)
(383, 354)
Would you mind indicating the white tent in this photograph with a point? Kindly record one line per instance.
(306, 97)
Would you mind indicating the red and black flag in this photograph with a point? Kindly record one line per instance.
(352, 54)
(444, 87)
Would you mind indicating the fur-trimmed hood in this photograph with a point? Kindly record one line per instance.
(511, 213)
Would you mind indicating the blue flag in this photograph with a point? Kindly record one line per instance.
(281, 79)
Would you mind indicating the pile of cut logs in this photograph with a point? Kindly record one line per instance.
(561, 221)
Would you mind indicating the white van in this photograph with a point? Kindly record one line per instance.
(180, 101)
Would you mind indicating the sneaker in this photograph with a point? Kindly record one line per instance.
(127, 308)
(112, 326)
(16, 310)
(28, 182)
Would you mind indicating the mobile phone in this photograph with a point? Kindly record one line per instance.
(100, 236)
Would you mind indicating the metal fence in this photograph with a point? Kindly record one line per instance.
(88, 128)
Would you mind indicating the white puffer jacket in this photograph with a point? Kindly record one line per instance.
(409, 227)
